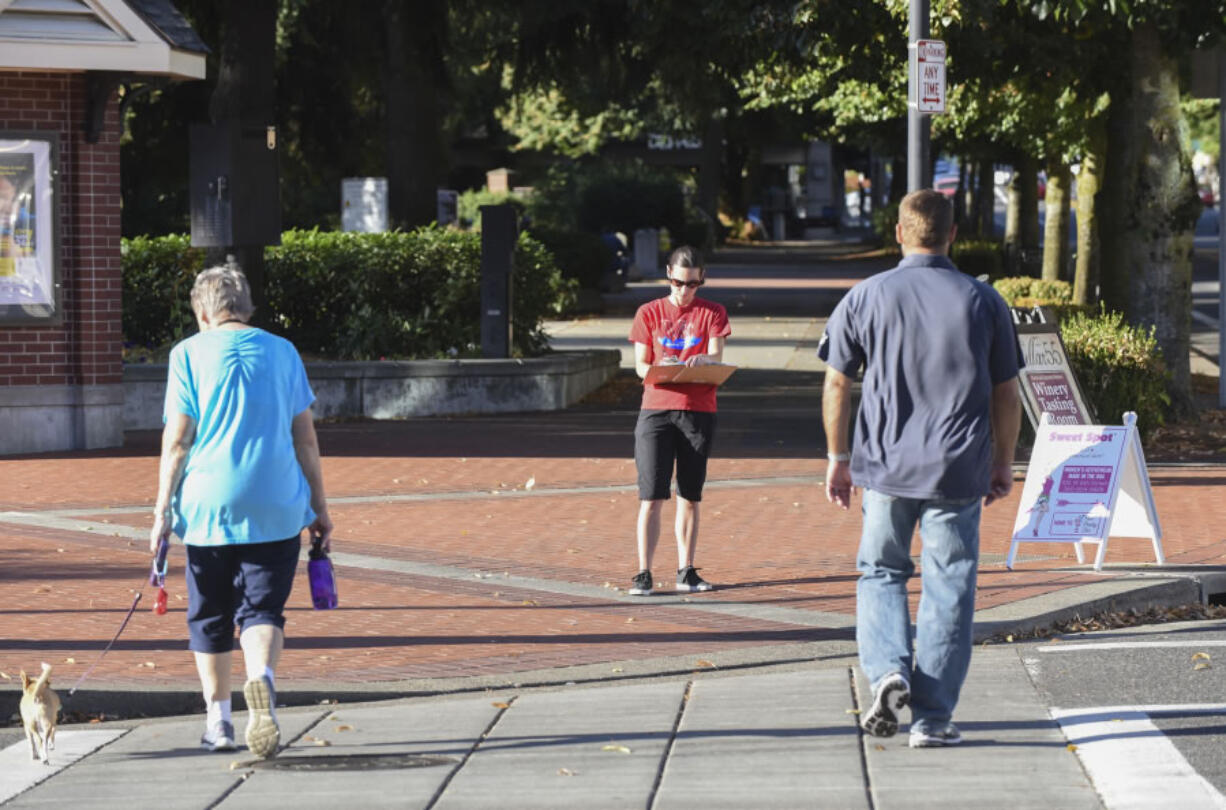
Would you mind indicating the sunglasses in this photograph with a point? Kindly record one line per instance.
(691, 284)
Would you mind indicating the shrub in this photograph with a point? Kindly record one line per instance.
(978, 257)
(358, 296)
(468, 207)
(1118, 366)
(597, 197)
(579, 255)
(158, 273)
(884, 219)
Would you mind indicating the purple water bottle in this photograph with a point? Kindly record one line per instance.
(323, 579)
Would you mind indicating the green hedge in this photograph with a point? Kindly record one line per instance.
(354, 296)
(1119, 367)
(978, 257)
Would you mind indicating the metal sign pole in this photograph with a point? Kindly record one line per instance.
(918, 124)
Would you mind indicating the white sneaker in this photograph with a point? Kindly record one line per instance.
(938, 737)
(263, 733)
(893, 693)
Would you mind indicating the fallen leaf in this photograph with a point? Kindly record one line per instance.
(566, 772)
(629, 620)
(149, 664)
(1009, 639)
(500, 705)
(395, 480)
(879, 747)
(344, 727)
(1201, 656)
(851, 711)
(5, 675)
(615, 669)
(70, 660)
(1202, 665)
(43, 589)
(530, 602)
(95, 719)
(235, 765)
(530, 483)
(572, 551)
(704, 664)
(59, 551)
(1071, 747)
(620, 749)
(321, 743)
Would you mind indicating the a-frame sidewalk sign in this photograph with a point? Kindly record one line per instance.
(1084, 484)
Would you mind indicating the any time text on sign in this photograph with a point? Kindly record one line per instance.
(928, 75)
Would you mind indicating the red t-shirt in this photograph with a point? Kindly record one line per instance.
(682, 332)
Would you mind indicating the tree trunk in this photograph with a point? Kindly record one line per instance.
(414, 76)
(1056, 229)
(1022, 220)
(987, 196)
(245, 97)
(710, 164)
(1085, 275)
(1159, 209)
(960, 195)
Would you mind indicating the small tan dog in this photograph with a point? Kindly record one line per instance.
(40, 708)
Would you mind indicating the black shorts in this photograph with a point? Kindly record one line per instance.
(245, 585)
(662, 437)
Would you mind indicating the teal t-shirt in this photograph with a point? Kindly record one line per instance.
(242, 482)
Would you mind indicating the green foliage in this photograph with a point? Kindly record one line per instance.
(579, 255)
(468, 208)
(1119, 367)
(157, 281)
(884, 219)
(978, 257)
(609, 196)
(352, 296)
(1017, 288)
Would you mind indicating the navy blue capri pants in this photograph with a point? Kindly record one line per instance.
(239, 585)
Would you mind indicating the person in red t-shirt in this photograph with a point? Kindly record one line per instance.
(677, 422)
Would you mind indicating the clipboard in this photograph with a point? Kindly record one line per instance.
(674, 374)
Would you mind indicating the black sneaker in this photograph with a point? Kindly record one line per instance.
(893, 693)
(688, 580)
(641, 584)
(218, 737)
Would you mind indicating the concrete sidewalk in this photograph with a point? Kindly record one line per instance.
(782, 739)
(484, 560)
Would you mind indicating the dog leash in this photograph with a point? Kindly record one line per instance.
(157, 576)
(107, 649)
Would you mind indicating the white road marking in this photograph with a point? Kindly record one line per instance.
(1129, 645)
(19, 773)
(1132, 763)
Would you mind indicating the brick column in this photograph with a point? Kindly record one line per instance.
(61, 386)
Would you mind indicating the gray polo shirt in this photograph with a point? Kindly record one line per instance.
(933, 342)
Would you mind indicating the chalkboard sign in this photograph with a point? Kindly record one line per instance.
(1047, 382)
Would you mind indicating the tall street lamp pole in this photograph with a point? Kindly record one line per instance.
(918, 123)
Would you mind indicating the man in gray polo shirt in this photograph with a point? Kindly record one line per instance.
(938, 421)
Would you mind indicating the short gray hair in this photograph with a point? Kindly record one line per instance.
(222, 289)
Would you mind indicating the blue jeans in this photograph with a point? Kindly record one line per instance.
(950, 560)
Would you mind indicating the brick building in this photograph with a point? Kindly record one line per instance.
(62, 63)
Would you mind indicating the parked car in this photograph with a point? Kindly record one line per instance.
(947, 185)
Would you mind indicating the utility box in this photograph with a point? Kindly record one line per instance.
(235, 186)
(364, 204)
(498, 236)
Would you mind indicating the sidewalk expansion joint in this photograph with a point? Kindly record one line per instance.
(489, 729)
(863, 741)
(682, 705)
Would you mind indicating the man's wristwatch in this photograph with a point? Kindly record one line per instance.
(839, 456)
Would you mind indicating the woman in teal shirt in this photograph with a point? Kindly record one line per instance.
(239, 479)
